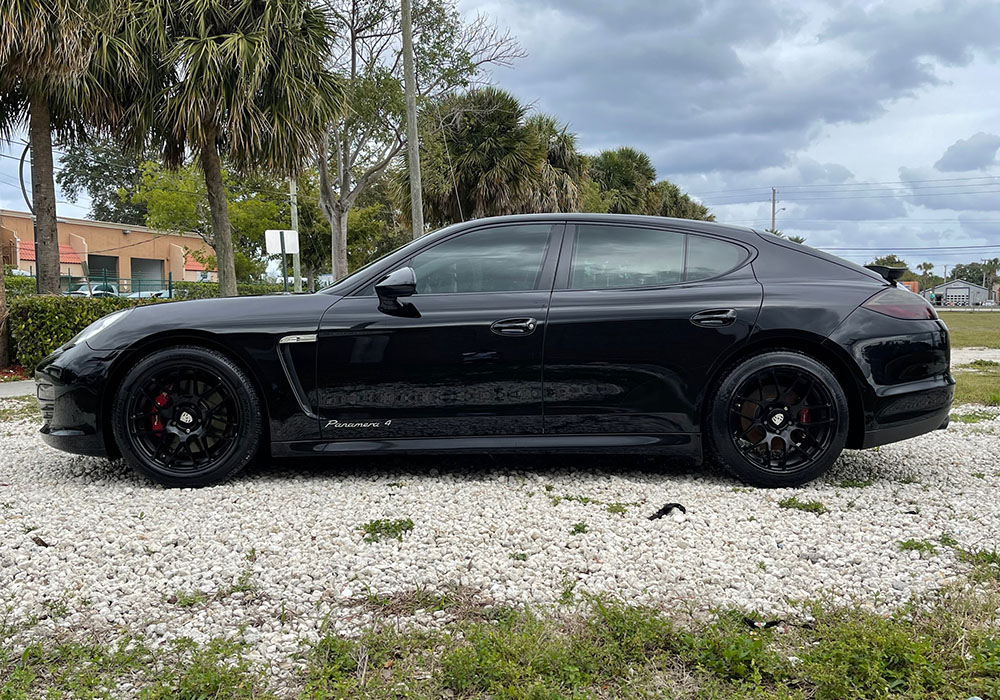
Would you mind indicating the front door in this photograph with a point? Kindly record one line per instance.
(465, 360)
(639, 319)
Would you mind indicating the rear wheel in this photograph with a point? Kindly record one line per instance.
(187, 416)
(778, 419)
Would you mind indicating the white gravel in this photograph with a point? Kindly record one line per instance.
(963, 356)
(119, 547)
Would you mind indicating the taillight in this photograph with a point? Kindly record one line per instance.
(900, 303)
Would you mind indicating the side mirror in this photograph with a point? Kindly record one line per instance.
(398, 283)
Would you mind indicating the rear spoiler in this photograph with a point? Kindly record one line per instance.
(889, 274)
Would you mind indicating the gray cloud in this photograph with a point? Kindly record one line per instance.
(977, 152)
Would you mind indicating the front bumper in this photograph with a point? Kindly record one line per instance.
(69, 385)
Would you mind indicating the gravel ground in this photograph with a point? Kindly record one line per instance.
(963, 356)
(87, 546)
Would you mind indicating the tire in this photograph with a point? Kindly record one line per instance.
(777, 419)
(187, 416)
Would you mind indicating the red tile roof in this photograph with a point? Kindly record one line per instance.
(67, 255)
(192, 264)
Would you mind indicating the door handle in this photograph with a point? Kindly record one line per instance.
(714, 318)
(514, 326)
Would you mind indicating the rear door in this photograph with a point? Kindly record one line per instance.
(639, 319)
(467, 361)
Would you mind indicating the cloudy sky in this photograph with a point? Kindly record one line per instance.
(878, 122)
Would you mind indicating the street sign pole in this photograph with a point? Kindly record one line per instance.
(284, 262)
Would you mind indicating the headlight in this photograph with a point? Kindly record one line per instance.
(98, 326)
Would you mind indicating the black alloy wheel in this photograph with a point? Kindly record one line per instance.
(778, 419)
(187, 416)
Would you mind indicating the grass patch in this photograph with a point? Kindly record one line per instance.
(377, 530)
(519, 556)
(944, 648)
(578, 528)
(855, 483)
(973, 417)
(184, 669)
(19, 408)
(972, 330)
(985, 563)
(983, 364)
(794, 503)
(981, 387)
(922, 546)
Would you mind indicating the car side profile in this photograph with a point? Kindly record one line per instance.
(535, 333)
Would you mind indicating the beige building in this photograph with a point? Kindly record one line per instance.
(138, 256)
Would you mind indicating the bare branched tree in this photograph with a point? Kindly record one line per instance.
(357, 149)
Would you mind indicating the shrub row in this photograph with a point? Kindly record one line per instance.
(210, 290)
(18, 286)
(40, 324)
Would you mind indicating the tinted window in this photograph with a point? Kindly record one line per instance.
(623, 256)
(710, 257)
(501, 259)
(607, 257)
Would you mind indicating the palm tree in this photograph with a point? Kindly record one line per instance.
(57, 58)
(626, 176)
(483, 159)
(669, 200)
(561, 170)
(925, 269)
(242, 80)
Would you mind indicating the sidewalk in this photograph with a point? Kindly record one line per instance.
(25, 388)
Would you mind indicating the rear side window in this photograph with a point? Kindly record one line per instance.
(610, 257)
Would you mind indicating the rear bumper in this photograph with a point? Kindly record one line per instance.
(919, 409)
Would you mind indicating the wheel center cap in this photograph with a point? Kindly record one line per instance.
(777, 419)
(186, 418)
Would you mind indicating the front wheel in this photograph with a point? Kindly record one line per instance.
(777, 419)
(187, 416)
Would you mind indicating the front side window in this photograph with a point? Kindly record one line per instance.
(615, 257)
(498, 259)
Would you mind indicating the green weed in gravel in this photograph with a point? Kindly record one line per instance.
(922, 546)
(794, 503)
(377, 530)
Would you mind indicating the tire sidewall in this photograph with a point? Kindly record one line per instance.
(721, 445)
(248, 431)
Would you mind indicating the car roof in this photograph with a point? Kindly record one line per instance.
(688, 224)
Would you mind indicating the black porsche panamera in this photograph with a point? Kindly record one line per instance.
(581, 333)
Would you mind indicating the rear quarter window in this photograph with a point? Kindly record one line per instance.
(710, 257)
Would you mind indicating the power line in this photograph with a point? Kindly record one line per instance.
(850, 184)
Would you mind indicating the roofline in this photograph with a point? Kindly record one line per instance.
(963, 282)
(103, 224)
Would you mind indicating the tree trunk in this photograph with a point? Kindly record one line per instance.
(338, 230)
(43, 197)
(334, 208)
(4, 347)
(218, 204)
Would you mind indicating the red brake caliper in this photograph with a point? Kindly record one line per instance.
(158, 403)
(804, 415)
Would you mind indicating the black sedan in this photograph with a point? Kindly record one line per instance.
(578, 332)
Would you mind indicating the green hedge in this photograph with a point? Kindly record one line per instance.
(40, 324)
(210, 290)
(18, 286)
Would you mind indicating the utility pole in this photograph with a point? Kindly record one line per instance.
(412, 144)
(296, 262)
(774, 203)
